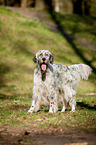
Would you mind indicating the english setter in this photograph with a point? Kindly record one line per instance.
(55, 83)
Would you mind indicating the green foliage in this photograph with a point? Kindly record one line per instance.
(20, 39)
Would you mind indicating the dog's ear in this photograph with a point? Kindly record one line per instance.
(51, 58)
(35, 59)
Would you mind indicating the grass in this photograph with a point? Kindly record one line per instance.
(78, 26)
(20, 39)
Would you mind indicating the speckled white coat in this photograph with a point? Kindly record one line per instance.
(59, 85)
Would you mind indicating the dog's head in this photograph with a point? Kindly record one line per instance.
(43, 58)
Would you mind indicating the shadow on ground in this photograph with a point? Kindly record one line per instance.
(83, 105)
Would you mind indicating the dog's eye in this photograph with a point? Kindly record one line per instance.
(46, 54)
(41, 55)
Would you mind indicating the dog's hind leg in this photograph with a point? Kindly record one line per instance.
(72, 103)
(64, 106)
(73, 108)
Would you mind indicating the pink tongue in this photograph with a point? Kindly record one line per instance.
(43, 66)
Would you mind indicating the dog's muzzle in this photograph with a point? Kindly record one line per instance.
(44, 65)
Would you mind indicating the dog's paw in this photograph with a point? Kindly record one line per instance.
(30, 111)
(50, 111)
(63, 110)
(72, 111)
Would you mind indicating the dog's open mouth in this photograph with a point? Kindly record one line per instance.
(43, 66)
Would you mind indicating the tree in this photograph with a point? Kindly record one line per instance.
(81, 7)
(23, 3)
(31, 3)
(87, 7)
(4, 2)
(77, 6)
(56, 6)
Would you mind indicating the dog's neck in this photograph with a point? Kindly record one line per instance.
(44, 73)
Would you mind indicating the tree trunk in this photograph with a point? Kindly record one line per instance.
(4, 2)
(23, 3)
(87, 7)
(40, 4)
(77, 6)
(48, 4)
(56, 4)
(31, 3)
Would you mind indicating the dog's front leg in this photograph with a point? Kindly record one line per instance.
(51, 107)
(53, 104)
(32, 107)
(73, 108)
(63, 108)
(64, 105)
(36, 98)
(35, 106)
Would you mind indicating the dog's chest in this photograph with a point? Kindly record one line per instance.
(47, 81)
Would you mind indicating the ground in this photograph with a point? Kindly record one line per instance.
(33, 136)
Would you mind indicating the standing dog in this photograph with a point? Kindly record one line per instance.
(55, 82)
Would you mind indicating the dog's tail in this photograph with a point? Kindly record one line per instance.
(80, 71)
(86, 71)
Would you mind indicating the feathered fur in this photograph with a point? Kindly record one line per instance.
(56, 82)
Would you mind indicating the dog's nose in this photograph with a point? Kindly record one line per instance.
(43, 58)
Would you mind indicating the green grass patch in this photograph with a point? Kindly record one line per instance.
(20, 39)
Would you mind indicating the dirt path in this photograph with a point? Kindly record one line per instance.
(26, 135)
(38, 16)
